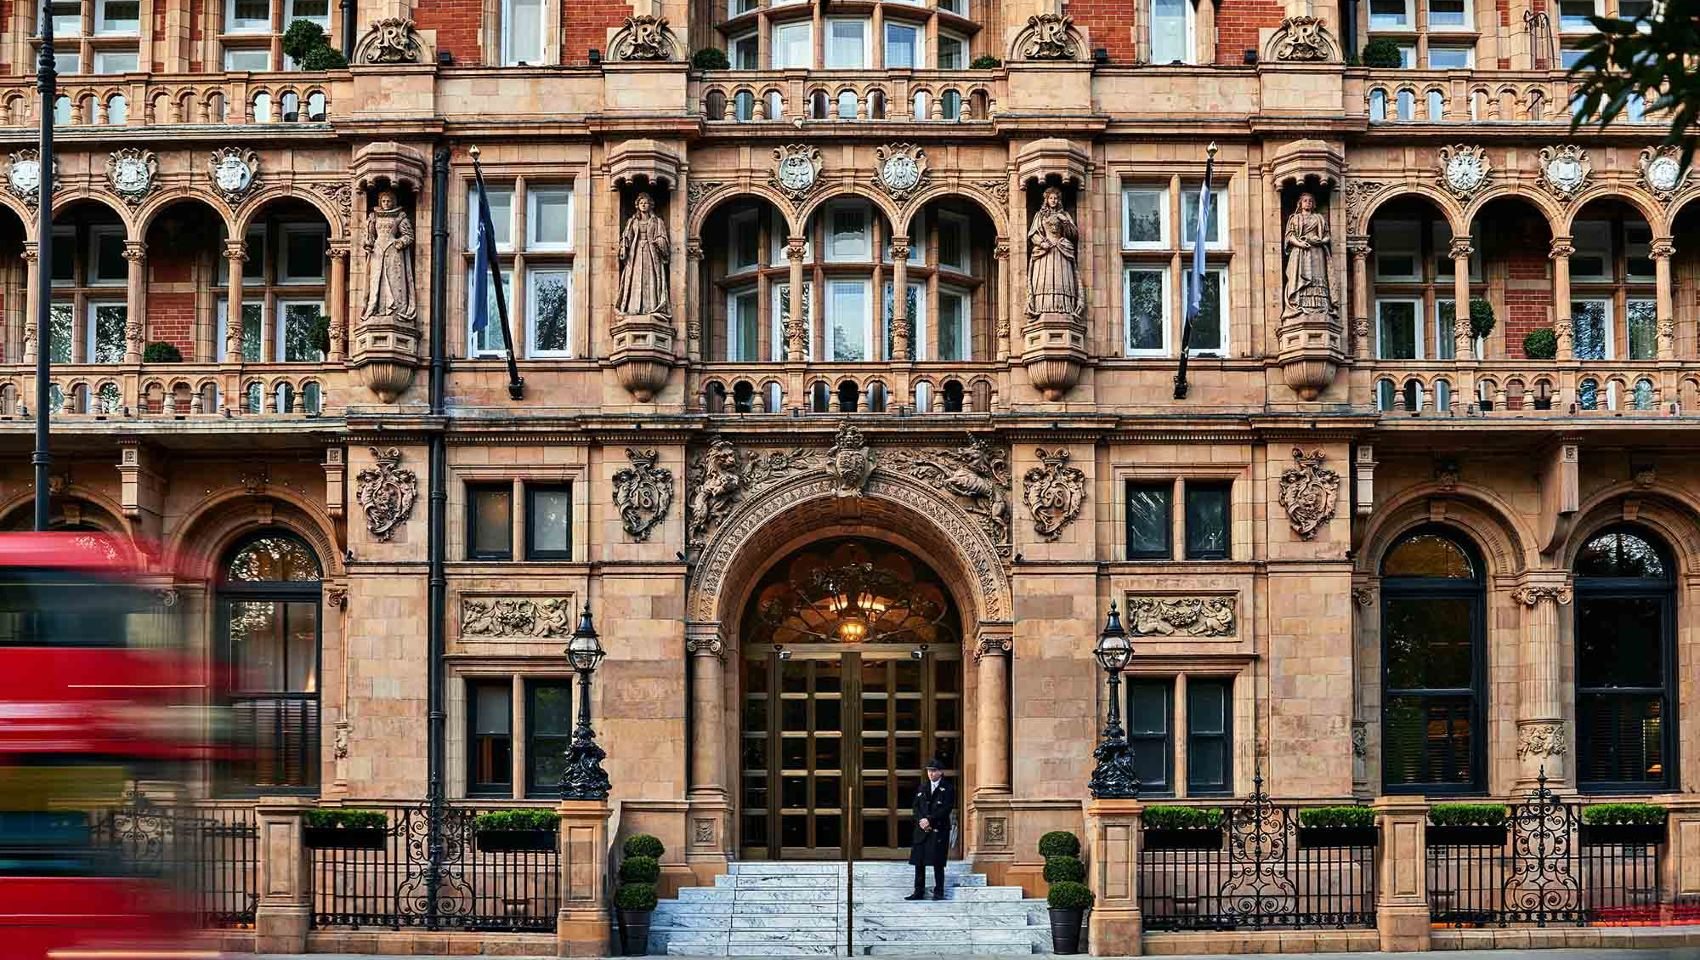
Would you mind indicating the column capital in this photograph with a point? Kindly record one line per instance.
(996, 645)
(1561, 249)
(1460, 248)
(337, 250)
(30, 254)
(135, 250)
(693, 248)
(1532, 594)
(1000, 248)
(705, 647)
(1662, 248)
(236, 250)
(1358, 246)
(795, 247)
(900, 250)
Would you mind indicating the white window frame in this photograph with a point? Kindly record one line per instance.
(233, 25)
(807, 29)
(1163, 230)
(69, 63)
(750, 37)
(831, 211)
(284, 277)
(101, 56)
(748, 221)
(966, 333)
(1609, 328)
(496, 220)
(491, 331)
(60, 32)
(734, 342)
(868, 345)
(534, 196)
(964, 236)
(1468, 26)
(1226, 313)
(1407, 22)
(777, 317)
(221, 326)
(1416, 305)
(1442, 334)
(230, 52)
(1468, 50)
(280, 329)
(512, 56)
(1189, 44)
(1583, 28)
(290, 16)
(100, 28)
(532, 311)
(1628, 347)
(918, 59)
(1379, 247)
(945, 36)
(917, 321)
(91, 277)
(956, 7)
(737, 8)
(1165, 322)
(1218, 217)
(831, 24)
(90, 344)
(1607, 254)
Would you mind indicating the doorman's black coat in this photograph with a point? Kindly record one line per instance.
(933, 846)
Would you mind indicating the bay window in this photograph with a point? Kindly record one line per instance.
(846, 44)
(793, 45)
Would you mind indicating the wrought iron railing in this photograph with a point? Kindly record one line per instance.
(478, 888)
(1544, 871)
(1256, 874)
(209, 854)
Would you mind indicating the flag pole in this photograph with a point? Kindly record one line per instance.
(1197, 276)
(516, 383)
(46, 78)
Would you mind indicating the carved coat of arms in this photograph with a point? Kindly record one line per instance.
(977, 473)
(1054, 492)
(1309, 492)
(849, 462)
(387, 492)
(643, 493)
(719, 478)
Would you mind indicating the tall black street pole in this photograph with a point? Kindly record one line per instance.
(45, 82)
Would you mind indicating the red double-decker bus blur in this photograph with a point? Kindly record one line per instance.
(97, 700)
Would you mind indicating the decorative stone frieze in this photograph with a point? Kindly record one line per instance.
(1054, 493)
(1309, 492)
(1464, 170)
(977, 473)
(392, 40)
(643, 493)
(387, 492)
(1565, 170)
(719, 477)
(132, 173)
(1178, 616)
(1302, 40)
(644, 38)
(1543, 738)
(529, 618)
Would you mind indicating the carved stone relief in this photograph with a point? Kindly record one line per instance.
(23, 175)
(234, 172)
(1662, 172)
(1565, 170)
(1302, 40)
(390, 40)
(1054, 493)
(1160, 616)
(977, 473)
(533, 618)
(1048, 36)
(720, 476)
(1358, 195)
(644, 38)
(386, 492)
(796, 169)
(1309, 492)
(1464, 169)
(132, 173)
(1532, 595)
(643, 493)
(1542, 739)
(849, 461)
(901, 169)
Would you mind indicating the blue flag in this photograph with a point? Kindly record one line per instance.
(1195, 287)
(484, 247)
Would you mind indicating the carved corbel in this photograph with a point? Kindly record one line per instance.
(1560, 485)
(141, 489)
(336, 474)
(1363, 473)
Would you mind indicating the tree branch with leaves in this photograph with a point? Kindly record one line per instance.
(1656, 57)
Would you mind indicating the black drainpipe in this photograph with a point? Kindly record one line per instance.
(1348, 30)
(435, 534)
(349, 27)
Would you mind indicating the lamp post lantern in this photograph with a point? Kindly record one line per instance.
(584, 778)
(46, 77)
(1113, 778)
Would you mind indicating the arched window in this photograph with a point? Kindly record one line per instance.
(1625, 638)
(1432, 626)
(268, 622)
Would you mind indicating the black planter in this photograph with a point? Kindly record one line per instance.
(1639, 834)
(1065, 930)
(634, 932)
(345, 838)
(1174, 838)
(513, 841)
(1338, 836)
(1471, 835)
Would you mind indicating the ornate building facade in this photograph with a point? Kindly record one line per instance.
(847, 399)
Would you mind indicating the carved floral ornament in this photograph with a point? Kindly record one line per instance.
(386, 492)
(1172, 616)
(1048, 36)
(390, 40)
(796, 169)
(535, 618)
(132, 173)
(643, 493)
(1464, 170)
(901, 170)
(1565, 170)
(1302, 40)
(1533, 594)
(644, 38)
(1054, 493)
(1662, 172)
(1309, 492)
(1358, 195)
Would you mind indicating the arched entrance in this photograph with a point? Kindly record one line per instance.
(851, 678)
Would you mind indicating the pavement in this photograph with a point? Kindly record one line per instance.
(1683, 953)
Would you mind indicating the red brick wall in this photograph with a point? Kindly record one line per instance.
(456, 23)
(1108, 24)
(585, 23)
(1528, 282)
(1237, 26)
(171, 299)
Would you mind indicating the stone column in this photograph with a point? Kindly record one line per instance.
(582, 926)
(285, 907)
(235, 254)
(1541, 740)
(1116, 928)
(1560, 253)
(135, 298)
(1465, 345)
(338, 305)
(1661, 251)
(902, 330)
(1401, 897)
(708, 834)
(991, 722)
(1358, 248)
(1679, 868)
(32, 302)
(1000, 253)
(696, 344)
(797, 321)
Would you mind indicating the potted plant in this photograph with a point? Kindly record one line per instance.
(1068, 900)
(1341, 826)
(1482, 320)
(1183, 828)
(1634, 823)
(512, 830)
(305, 43)
(1382, 52)
(337, 829)
(635, 899)
(161, 352)
(1467, 824)
(1540, 344)
(1059, 843)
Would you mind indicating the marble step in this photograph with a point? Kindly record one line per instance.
(786, 868)
(874, 894)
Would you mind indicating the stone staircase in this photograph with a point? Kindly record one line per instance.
(805, 909)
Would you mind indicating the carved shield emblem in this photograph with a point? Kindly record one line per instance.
(1309, 492)
(1054, 493)
(643, 493)
(850, 462)
(387, 492)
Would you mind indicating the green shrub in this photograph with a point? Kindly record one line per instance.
(1468, 814)
(1649, 814)
(305, 43)
(1059, 843)
(710, 58)
(1482, 320)
(1382, 52)
(985, 61)
(1064, 870)
(323, 58)
(1341, 816)
(1167, 817)
(640, 870)
(1069, 895)
(643, 845)
(161, 352)
(337, 819)
(518, 820)
(635, 896)
(1540, 344)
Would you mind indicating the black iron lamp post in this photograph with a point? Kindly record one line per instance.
(46, 81)
(584, 778)
(1113, 778)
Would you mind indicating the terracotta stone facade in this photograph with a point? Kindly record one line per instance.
(1334, 433)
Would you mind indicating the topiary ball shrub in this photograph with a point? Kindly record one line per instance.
(1482, 320)
(635, 896)
(1382, 52)
(1540, 344)
(1069, 895)
(1059, 843)
(640, 870)
(1064, 870)
(643, 845)
(161, 352)
(323, 58)
(711, 58)
(305, 43)
(985, 62)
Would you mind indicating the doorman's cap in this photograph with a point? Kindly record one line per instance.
(934, 764)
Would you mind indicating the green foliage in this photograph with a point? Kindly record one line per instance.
(1382, 52)
(161, 352)
(1069, 895)
(323, 58)
(1059, 843)
(305, 43)
(643, 845)
(1064, 870)
(321, 334)
(1341, 816)
(1540, 344)
(1649, 814)
(1168, 817)
(710, 58)
(518, 820)
(1649, 56)
(1482, 320)
(640, 870)
(339, 819)
(1468, 814)
(985, 61)
(635, 896)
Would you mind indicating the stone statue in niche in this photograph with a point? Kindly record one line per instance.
(1053, 283)
(1307, 247)
(389, 261)
(644, 253)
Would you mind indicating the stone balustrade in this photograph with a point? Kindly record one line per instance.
(1466, 96)
(163, 100)
(757, 96)
(180, 391)
(1536, 388)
